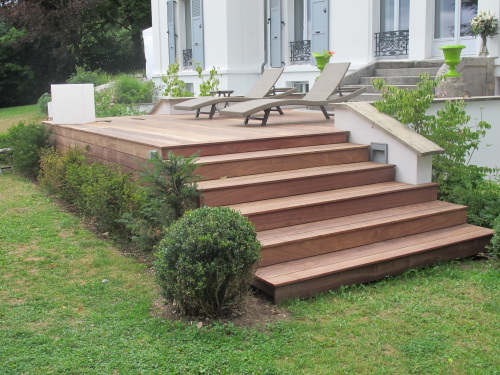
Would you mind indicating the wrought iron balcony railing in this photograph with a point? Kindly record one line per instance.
(187, 57)
(300, 51)
(392, 43)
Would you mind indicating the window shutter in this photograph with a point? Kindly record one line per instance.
(172, 50)
(319, 20)
(197, 24)
(275, 34)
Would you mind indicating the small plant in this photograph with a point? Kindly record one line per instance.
(82, 75)
(206, 260)
(168, 190)
(211, 83)
(26, 142)
(43, 103)
(174, 86)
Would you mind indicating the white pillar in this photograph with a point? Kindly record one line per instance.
(421, 29)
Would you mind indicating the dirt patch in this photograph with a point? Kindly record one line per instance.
(256, 311)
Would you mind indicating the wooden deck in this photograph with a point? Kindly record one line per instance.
(325, 215)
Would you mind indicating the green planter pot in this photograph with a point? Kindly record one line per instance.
(321, 61)
(452, 58)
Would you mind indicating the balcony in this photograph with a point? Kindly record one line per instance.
(187, 57)
(392, 43)
(300, 51)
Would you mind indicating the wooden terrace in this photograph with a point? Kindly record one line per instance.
(325, 214)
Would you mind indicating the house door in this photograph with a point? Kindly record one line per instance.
(452, 24)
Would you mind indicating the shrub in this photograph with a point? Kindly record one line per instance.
(43, 102)
(82, 75)
(98, 191)
(494, 246)
(449, 129)
(206, 260)
(168, 190)
(211, 84)
(174, 86)
(26, 142)
(131, 90)
(105, 105)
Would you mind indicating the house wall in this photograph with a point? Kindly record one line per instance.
(234, 38)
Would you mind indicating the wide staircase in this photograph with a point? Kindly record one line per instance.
(403, 74)
(326, 216)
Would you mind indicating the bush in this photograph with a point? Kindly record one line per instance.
(206, 260)
(81, 75)
(449, 130)
(168, 189)
(131, 90)
(105, 105)
(43, 103)
(98, 191)
(494, 246)
(26, 142)
(482, 200)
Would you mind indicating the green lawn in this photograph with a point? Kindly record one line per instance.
(71, 303)
(12, 116)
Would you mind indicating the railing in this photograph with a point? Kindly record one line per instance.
(392, 43)
(187, 57)
(300, 51)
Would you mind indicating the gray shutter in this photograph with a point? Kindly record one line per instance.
(197, 25)
(275, 33)
(319, 21)
(171, 32)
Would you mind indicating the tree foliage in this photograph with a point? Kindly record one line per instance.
(46, 39)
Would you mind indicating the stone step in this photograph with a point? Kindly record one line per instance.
(392, 80)
(383, 72)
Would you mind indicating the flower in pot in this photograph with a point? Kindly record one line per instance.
(322, 58)
(484, 24)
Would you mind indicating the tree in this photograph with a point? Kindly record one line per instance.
(58, 35)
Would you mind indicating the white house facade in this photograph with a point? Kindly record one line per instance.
(242, 37)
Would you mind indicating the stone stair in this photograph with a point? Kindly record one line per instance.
(403, 74)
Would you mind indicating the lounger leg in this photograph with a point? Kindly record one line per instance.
(197, 113)
(323, 109)
(279, 110)
(212, 111)
(246, 120)
(266, 116)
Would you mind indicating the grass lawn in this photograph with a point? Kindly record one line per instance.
(71, 303)
(12, 116)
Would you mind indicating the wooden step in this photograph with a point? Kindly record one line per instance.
(253, 143)
(246, 163)
(286, 183)
(305, 208)
(305, 240)
(306, 277)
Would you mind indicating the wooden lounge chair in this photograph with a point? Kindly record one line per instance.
(319, 95)
(263, 87)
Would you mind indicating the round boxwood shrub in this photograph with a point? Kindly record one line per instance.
(206, 260)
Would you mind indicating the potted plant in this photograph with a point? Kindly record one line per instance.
(486, 25)
(322, 58)
(452, 58)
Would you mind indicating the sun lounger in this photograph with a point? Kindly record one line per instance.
(319, 95)
(263, 88)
